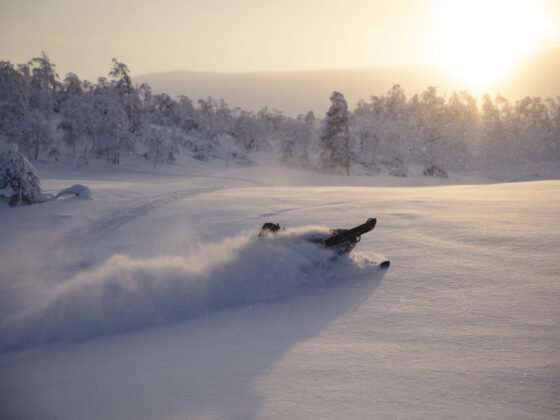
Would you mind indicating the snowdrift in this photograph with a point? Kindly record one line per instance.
(125, 294)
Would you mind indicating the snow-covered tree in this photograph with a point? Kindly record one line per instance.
(127, 95)
(161, 144)
(295, 144)
(336, 139)
(19, 182)
(461, 131)
(383, 132)
(44, 84)
(78, 124)
(430, 123)
(35, 133)
(493, 135)
(14, 95)
(110, 126)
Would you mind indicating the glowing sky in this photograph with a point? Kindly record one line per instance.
(253, 35)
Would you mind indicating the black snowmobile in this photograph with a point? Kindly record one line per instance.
(341, 241)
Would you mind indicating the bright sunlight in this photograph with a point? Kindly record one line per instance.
(482, 40)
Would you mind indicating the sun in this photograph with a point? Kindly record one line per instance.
(480, 41)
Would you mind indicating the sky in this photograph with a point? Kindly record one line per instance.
(258, 35)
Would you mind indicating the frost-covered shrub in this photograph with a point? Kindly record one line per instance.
(434, 170)
(19, 182)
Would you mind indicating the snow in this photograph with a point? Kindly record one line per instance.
(126, 293)
(77, 190)
(156, 299)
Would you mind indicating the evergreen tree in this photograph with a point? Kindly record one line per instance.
(19, 182)
(335, 140)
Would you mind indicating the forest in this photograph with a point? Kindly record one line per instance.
(68, 119)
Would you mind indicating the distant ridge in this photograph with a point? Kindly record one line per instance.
(296, 92)
(293, 92)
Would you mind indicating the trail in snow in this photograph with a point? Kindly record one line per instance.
(53, 254)
(125, 293)
(141, 208)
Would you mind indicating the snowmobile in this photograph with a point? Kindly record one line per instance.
(340, 241)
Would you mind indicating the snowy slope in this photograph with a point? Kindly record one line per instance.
(158, 302)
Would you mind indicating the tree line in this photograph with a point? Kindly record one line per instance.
(49, 116)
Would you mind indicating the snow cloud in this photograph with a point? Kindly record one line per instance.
(125, 294)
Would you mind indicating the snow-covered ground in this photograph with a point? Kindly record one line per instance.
(154, 299)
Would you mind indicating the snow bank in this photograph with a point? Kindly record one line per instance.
(125, 293)
(77, 190)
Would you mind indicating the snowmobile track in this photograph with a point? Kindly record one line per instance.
(141, 208)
